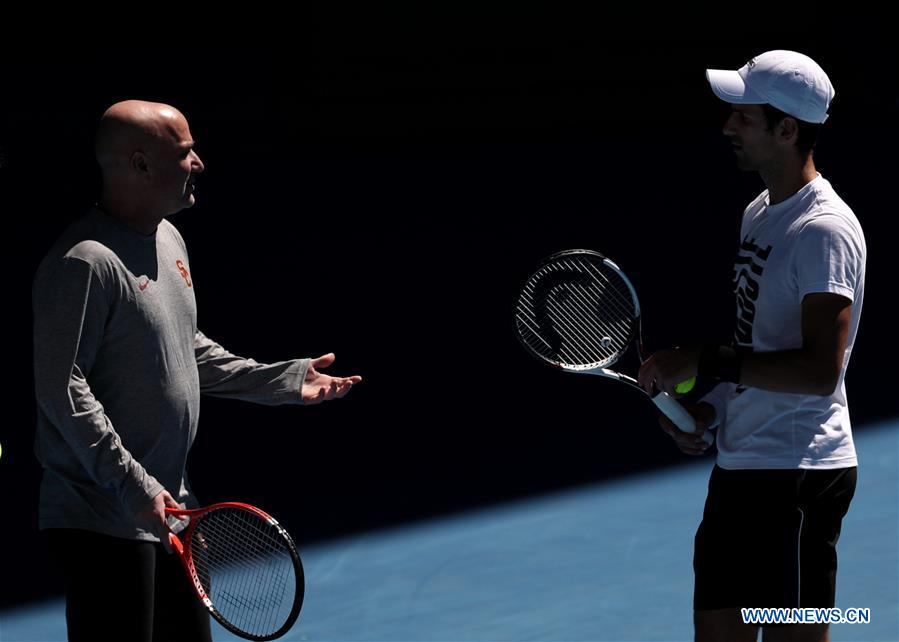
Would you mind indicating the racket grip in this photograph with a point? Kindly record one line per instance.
(679, 416)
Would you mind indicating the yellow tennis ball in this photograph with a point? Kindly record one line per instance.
(685, 386)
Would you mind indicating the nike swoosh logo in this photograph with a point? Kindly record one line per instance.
(143, 286)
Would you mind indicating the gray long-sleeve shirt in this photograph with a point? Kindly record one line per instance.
(119, 365)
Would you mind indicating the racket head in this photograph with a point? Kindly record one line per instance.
(245, 568)
(578, 311)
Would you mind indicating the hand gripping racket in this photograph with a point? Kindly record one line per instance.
(244, 567)
(580, 313)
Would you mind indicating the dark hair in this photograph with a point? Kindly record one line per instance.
(808, 132)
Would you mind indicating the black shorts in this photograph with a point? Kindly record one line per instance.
(768, 538)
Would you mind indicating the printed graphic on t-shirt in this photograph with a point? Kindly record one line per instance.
(184, 273)
(748, 269)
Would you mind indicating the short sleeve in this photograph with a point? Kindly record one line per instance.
(827, 257)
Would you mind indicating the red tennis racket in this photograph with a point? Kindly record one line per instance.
(244, 567)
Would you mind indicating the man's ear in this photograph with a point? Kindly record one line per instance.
(140, 163)
(788, 130)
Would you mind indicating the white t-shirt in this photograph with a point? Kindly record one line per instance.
(812, 242)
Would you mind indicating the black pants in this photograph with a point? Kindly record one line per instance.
(125, 590)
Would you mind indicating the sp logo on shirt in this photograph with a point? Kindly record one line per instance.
(184, 273)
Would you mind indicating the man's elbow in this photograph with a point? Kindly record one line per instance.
(824, 381)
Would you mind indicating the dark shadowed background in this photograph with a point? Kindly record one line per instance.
(381, 192)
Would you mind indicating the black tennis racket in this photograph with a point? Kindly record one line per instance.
(244, 567)
(580, 313)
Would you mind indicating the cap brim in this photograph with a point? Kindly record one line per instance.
(729, 86)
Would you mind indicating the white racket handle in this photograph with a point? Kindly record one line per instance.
(679, 415)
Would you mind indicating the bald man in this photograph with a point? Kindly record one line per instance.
(119, 366)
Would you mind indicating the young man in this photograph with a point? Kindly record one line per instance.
(786, 465)
(119, 366)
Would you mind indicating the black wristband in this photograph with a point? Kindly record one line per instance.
(720, 362)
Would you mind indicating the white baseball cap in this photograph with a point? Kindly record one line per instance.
(790, 81)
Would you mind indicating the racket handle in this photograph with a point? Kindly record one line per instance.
(679, 416)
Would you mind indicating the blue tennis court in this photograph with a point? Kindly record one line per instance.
(579, 565)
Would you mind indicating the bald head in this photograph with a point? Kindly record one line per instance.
(134, 125)
(146, 155)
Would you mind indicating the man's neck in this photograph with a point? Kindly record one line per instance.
(784, 181)
(130, 214)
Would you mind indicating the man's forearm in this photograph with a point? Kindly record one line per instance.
(791, 371)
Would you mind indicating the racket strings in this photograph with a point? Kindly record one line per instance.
(588, 316)
(577, 311)
(585, 310)
(563, 332)
(619, 304)
(246, 568)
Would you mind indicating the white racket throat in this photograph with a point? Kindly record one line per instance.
(663, 401)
